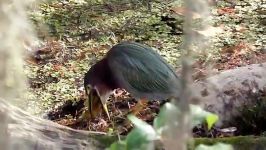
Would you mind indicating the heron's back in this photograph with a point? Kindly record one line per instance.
(142, 71)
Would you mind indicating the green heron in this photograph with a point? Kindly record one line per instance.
(134, 67)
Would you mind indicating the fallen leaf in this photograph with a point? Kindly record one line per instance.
(31, 60)
(238, 49)
(102, 123)
(57, 67)
(81, 55)
(226, 10)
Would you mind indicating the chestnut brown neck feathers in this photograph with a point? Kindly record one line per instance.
(100, 75)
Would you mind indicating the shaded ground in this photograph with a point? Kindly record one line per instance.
(81, 36)
(119, 107)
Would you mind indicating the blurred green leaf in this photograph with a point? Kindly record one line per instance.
(142, 125)
(211, 119)
(218, 146)
(141, 136)
(160, 121)
(119, 145)
(199, 115)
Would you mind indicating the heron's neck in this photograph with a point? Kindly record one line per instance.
(106, 78)
(104, 92)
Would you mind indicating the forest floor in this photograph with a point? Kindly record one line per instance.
(76, 35)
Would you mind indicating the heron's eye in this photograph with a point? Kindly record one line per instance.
(89, 86)
(88, 89)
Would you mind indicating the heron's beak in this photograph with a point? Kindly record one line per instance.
(105, 109)
(95, 104)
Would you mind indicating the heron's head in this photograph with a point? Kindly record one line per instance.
(95, 102)
(98, 87)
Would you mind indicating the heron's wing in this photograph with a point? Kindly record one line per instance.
(138, 67)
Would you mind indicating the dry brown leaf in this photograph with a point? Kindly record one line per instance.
(31, 59)
(57, 67)
(102, 123)
(81, 55)
(226, 10)
(238, 49)
(118, 92)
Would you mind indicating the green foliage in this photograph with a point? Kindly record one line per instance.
(120, 145)
(238, 142)
(199, 115)
(159, 122)
(142, 137)
(251, 118)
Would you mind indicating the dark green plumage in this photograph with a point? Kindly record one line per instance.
(142, 71)
(134, 67)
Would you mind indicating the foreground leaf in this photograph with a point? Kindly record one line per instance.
(142, 136)
(119, 145)
(199, 115)
(160, 121)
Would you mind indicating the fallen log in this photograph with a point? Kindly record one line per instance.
(20, 130)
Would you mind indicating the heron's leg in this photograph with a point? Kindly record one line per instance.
(141, 104)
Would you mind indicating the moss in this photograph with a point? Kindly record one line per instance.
(239, 142)
(252, 119)
(106, 140)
